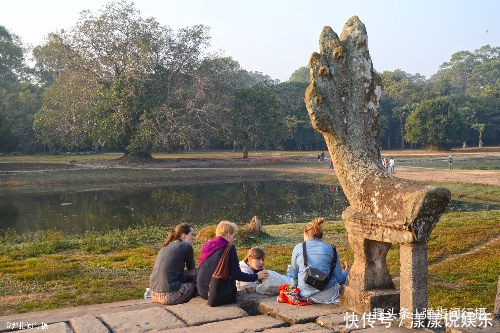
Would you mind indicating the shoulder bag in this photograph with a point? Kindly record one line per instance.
(314, 277)
(222, 288)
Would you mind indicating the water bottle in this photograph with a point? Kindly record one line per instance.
(289, 271)
(147, 293)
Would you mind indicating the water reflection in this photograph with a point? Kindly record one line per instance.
(273, 201)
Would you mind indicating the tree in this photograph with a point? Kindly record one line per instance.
(480, 129)
(301, 135)
(401, 93)
(255, 118)
(436, 124)
(300, 75)
(11, 57)
(125, 68)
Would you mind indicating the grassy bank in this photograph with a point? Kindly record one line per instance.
(50, 270)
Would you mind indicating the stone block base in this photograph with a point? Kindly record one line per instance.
(365, 301)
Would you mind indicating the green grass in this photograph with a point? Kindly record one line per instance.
(471, 191)
(49, 270)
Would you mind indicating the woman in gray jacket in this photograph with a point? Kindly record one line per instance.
(173, 280)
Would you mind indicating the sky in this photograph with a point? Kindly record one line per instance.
(277, 37)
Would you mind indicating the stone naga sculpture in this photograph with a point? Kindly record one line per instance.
(343, 104)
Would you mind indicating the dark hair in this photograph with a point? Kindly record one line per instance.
(176, 233)
(315, 228)
(254, 253)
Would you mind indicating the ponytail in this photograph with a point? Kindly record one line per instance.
(314, 229)
(176, 233)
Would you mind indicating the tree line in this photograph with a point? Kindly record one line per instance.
(118, 81)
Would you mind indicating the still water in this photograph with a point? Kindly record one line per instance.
(273, 201)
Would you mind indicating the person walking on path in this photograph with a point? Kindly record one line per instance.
(450, 162)
(391, 164)
(169, 282)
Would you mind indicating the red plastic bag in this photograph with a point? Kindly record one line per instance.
(290, 295)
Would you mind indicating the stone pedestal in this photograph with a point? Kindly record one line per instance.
(413, 278)
(366, 301)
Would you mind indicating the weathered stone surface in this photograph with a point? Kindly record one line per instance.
(332, 320)
(198, 312)
(250, 301)
(496, 309)
(147, 320)
(58, 328)
(239, 325)
(413, 278)
(60, 315)
(366, 301)
(494, 328)
(343, 104)
(298, 314)
(298, 328)
(88, 324)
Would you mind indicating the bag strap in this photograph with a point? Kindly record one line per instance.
(222, 269)
(334, 262)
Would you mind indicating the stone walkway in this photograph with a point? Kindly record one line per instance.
(252, 313)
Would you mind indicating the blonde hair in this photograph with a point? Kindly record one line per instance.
(315, 228)
(254, 253)
(225, 227)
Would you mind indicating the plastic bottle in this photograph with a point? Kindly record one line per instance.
(289, 271)
(147, 293)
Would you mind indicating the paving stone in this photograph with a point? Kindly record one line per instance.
(60, 315)
(298, 328)
(239, 325)
(146, 320)
(198, 312)
(298, 314)
(88, 324)
(391, 329)
(494, 328)
(331, 320)
(58, 328)
(250, 301)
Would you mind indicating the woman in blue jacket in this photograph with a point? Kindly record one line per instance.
(320, 256)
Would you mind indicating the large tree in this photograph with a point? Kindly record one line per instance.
(111, 71)
(435, 124)
(255, 118)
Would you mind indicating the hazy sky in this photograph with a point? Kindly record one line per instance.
(277, 37)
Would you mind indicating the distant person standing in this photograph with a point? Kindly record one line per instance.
(450, 162)
(331, 164)
(391, 164)
(322, 157)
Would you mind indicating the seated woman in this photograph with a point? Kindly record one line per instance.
(253, 263)
(320, 256)
(210, 255)
(170, 283)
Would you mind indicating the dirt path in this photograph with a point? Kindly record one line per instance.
(487, 177)
(472, 250)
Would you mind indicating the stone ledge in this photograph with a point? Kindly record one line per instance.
(87, 324)
(297, 314)
(238, 325)
(146, 320)
(197, 312)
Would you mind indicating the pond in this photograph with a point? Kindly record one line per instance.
(274, 202)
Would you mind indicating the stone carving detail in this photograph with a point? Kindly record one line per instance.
(343, 104)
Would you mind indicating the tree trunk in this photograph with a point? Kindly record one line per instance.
(402, 127)
(480, 139)
(245, 151)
